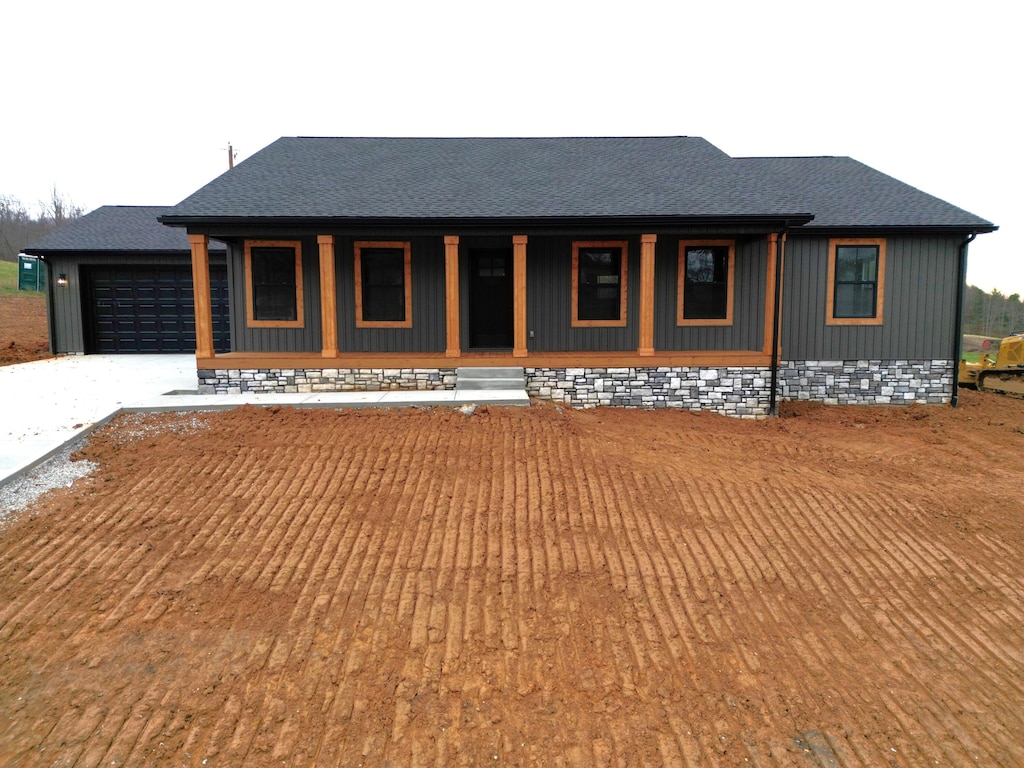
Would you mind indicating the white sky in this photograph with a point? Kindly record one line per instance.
(134, 103)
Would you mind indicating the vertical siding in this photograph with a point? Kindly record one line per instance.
(549, 299)
(919, 310)
(427, 333)
(305, 339)
(747, 329)
(67, 306)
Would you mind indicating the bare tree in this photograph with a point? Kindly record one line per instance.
(19, 228)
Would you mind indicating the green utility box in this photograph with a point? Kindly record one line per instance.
(31, 274)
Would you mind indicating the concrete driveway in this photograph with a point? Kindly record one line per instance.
(46, 403)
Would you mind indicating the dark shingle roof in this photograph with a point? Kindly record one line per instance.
(555, 178)
(116, 228)
(842, 192)
(482, 178)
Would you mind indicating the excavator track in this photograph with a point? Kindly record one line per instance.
(1003, 382)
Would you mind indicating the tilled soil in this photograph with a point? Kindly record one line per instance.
(23, 330)
(838, 587)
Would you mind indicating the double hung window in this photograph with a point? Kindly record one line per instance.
(856, 278)
(273, 277)
(599, 283)
(705, 290)
(383, 280)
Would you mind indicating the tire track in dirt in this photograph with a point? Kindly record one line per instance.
(518, 587)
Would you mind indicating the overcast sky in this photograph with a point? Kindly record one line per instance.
(134, 103)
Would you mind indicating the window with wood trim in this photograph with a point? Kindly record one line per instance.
(599, 283)
(856, 281)
(383, 284)
(273, 280)
(706, 282)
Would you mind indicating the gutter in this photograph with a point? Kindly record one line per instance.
(958, 332)
(773, 405)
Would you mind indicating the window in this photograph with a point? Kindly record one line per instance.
(383, 285)
(856, 277)
(599, 283)
(273, 277)
(705, 290)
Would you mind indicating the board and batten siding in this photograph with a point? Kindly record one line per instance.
(919, 308)
(426, 264)
(549, 299)
(747, 329)
(304, 339)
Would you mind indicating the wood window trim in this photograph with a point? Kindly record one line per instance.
(250, 303)
(730, 288)
(406, 248)
(830, 318)
(577, 245)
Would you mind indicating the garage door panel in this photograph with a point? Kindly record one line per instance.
(149, 310)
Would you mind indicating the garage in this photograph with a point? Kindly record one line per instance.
(148, 309)
(120, 282)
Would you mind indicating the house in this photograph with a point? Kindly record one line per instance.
(652, 272)
(120, 282)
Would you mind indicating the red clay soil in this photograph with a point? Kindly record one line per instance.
(23, 329)
(838, 587)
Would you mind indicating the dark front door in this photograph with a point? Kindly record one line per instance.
(490, 298)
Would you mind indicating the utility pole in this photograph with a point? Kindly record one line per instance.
(231, 157)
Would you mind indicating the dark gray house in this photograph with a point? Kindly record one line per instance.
(121, 282)
(657, 272)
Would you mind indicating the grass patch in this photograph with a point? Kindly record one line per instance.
(9, 280)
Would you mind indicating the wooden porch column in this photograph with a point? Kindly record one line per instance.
(453, 347)
(201, 293)
(328, 298)
(519, 295)
(647, 295)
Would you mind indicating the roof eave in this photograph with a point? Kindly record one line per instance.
(534, 222)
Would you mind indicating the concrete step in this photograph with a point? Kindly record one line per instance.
(490, 378)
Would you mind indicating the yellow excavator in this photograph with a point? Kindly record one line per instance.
(1005, 374)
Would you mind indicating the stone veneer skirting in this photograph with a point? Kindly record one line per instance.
(229, 382)
(867, 382)
(739, 392)
(732, 391)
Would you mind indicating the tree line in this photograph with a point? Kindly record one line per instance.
(19, 227)
(992, 314)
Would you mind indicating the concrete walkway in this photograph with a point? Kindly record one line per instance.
(46, 404)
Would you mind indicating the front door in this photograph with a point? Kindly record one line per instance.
(490, 298)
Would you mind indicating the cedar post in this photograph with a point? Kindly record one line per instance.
(453, 346)
(519, 295)
(328, 298)
(201, 293)
(646, 347)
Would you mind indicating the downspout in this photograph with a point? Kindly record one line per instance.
(773, 406)
(958, 333)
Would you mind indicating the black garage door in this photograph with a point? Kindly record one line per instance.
(149, 309)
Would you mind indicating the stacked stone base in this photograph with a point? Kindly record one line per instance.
(867, 382)
(732, 391)
(742, 392)
(231, 382)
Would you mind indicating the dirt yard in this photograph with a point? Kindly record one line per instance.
(839, 587)
(23, 331)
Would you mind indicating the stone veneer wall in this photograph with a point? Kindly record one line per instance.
(739, 392)
(323, 380)
(867, 382)
(732, 391)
